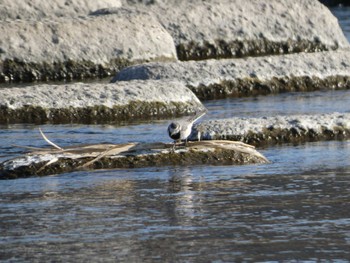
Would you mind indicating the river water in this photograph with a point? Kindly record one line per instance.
(296, 208)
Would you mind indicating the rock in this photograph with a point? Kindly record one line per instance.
(132, 155)
(77, 48)
(212, 79)
(39, 9)
(96, 103)
(278, 129)
(225, 28)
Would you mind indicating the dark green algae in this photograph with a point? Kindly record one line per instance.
(243, 48)
(16, 70)
(253, 86)
(272, 136)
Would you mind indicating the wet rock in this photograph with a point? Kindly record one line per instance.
(276, 130)
(79, 48)
(96, 103)
(211, 79)
(39, 9)
(132, 155)
(226, 29)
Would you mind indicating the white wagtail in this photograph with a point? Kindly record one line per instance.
(179, 131)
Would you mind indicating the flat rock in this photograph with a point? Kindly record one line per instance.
(278, 129)
(77, 48)
(96, 103)
(212, 79)
(131, 155)
(225, 28)
(39, 9)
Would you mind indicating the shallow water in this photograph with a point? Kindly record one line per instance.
(342, 13)
(296, 208)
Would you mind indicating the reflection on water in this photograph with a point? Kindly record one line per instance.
(285, 210)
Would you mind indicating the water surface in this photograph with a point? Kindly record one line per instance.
(296, 207)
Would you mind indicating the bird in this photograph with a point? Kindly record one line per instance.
(180, 130)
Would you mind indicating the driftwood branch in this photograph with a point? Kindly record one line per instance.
(48, 141)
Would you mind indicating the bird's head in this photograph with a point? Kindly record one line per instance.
(174, 130)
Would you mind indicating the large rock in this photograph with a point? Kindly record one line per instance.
(38, 9)
(75, 48)
(96, 103)
(256, 75)
(131, 155)
(277, 129)
(226, 28)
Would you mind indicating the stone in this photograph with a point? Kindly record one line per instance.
(226, 29)
(276, 130)
(96, 102)
(212, 79)
(131, 155)
(78, 48)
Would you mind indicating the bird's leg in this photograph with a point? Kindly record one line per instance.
(174, 146)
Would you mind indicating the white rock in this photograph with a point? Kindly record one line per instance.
(81, 95)
(194, 73)
(126, 34)
(218, 129)
(273, 20)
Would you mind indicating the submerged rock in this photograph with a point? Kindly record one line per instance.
(78, 48)
(131, 155)
(212, 79)
(96, 103)
(275, 130)
(226, 28)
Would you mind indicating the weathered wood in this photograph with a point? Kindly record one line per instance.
(46, 161)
